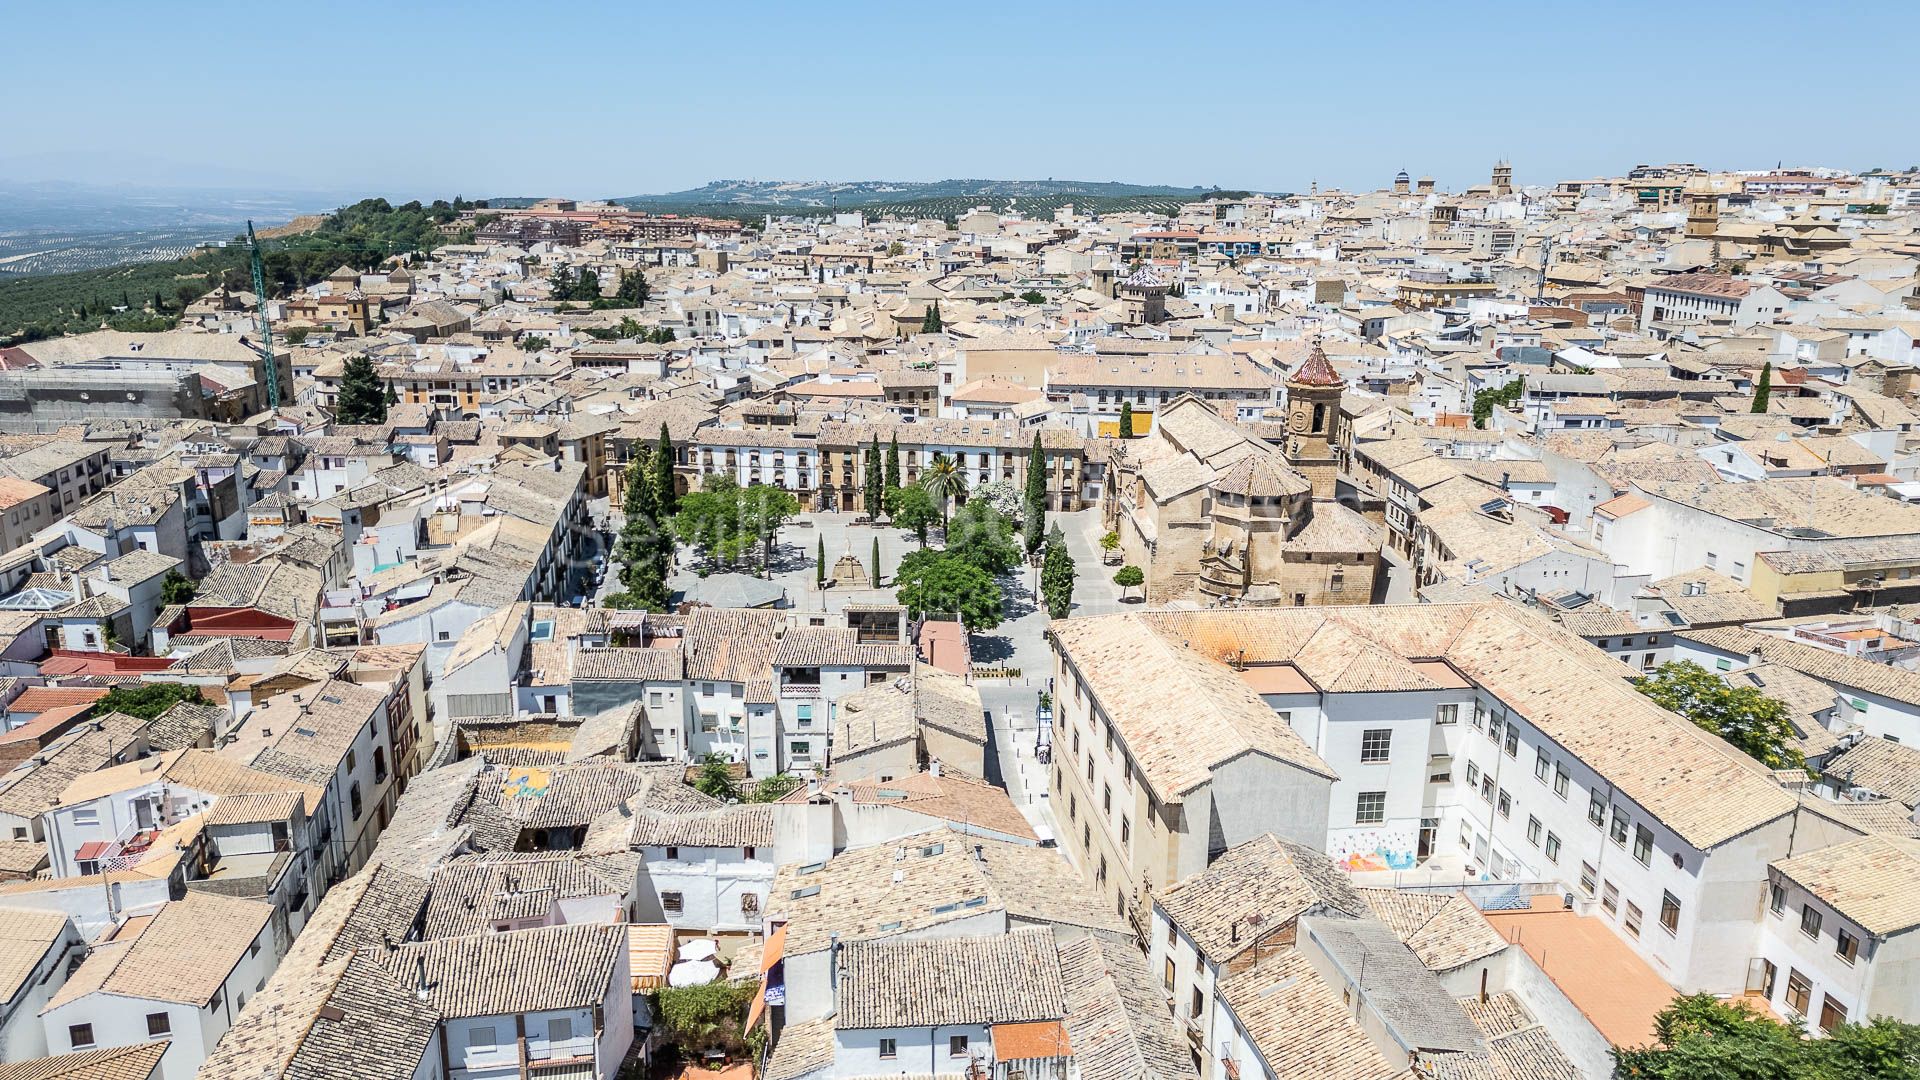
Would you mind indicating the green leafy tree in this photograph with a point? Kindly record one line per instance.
(1126, 419)
(177, 588)
(148, 700)
(712, 1016)
(774, 788)
(363, 397)
(1033, 296)
(896, 249)
(1881, 1049)
(1485, 400)
(766, 510)
(1056, 575)
(1034, 515)
(983, 536)
(1129, 577)
(914, 510)
(1110, 541)
(563, 283)
(932, 324)
(715, 779)
(586, 287)
(1742, 715)
(725, 521)
(1700, 1037)
(874, 476)
(663, 490)
(945, 480)
(633, 287)
(893, 461)
(534, 343)
(937, 582)
(1762, 387)
(709, 519)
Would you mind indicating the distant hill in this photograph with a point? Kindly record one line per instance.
(798, 196)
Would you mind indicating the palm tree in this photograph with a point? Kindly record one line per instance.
(945, 481)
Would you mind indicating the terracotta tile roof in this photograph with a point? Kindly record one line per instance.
(1698, 785)
(1444, 930)
(961, 800)
(137, 1062)
(1882, 766)
(1252, 890)
(25, 936)
(38, 699)
(1874, 881)
(1003, 978)
(554, 967)
(184, 955)
(1297, 1023)
(1117, 1019)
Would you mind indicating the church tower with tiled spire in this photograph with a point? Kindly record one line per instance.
(1313, 422)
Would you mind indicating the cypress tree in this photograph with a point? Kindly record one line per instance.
(1056, 575)
(663, 492)
(1034, 525)
(932, 324)
(876, 501)
(1762, 387)
(1126, 419)
(820, 565)
(645, 548)
(876, 562)
(893, 461)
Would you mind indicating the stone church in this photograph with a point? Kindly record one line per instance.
(1214, 514)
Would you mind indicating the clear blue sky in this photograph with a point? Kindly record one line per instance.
(591, 99)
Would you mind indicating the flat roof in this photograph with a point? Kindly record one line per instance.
(1275, 679)
(1604, 978)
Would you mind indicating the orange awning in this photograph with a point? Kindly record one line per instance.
(770, 952)
(649, 954)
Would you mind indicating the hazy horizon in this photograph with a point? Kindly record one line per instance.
(606, 100)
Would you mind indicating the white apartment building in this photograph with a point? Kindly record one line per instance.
(182, 977)
(38, 946)
(1459, 732)
(1840, 936)
(1663, 528)
(1684, 298)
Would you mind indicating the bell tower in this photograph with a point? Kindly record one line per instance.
(1143, 297)
(1313, 422)
(1703, 212)
(1502, 180)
